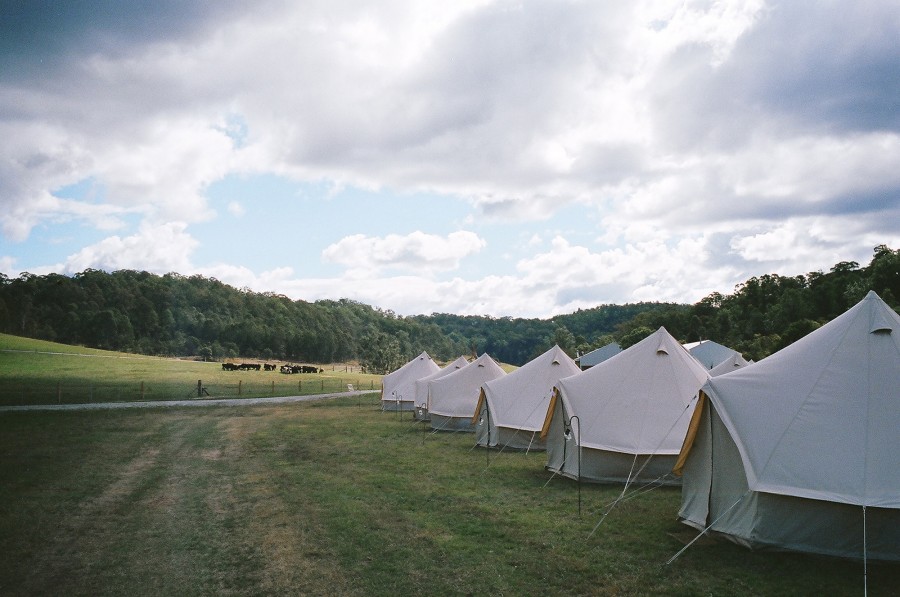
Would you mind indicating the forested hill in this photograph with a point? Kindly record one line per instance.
(179, 315)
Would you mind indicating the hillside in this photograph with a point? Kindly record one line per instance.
(192, 315)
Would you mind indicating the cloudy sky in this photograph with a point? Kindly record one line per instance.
(517, 158)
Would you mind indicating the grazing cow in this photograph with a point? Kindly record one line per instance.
(268, 367)
(300, 369)
(229, 367)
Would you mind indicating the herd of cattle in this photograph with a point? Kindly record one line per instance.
(270, 367)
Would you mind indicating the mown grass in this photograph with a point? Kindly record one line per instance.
(40, 372)
(337, 498)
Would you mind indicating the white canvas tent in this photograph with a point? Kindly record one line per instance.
(452, 398)
(511, 409)
(420, 393)
(736, 361)
(629, 414)
(398, 387)
(597, 356)
(800, 450)
(709, 353)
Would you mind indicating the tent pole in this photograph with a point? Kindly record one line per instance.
(568, 434)
(487, 421)
(865, 557)
(579, 463)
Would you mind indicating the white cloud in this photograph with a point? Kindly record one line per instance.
(159, 249)
(166, 169)
(702, 141)
(565, 278)
(7, 264)
(415, 251)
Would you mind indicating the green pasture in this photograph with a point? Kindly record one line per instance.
(338, 498)
(40, 372)
(322, 498)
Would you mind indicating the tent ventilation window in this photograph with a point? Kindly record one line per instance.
(880, 324)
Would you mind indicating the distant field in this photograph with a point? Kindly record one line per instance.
(39, 372)
(334, 498)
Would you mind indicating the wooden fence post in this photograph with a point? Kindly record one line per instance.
(239, 387)
(58, 393)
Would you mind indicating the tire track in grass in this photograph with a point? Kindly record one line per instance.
(71, 552)
(190, 502)
(295, 554)
(194, 513)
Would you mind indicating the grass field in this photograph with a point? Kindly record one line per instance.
(334, 498)
(39, 372)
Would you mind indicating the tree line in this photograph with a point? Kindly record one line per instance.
(178, 315)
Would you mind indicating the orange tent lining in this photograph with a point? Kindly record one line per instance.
(691, 435)
(546, 427)
(478, 407)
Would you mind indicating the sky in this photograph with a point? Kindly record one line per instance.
(479, 157)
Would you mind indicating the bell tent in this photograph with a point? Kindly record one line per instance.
(736, 361)
(452, 398)
(511, 409)
(709, 353)
(398, 387)
(420, 391)
(595, 357)
(625, 419)
(800, 450)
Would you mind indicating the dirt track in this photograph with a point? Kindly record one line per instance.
(180, 403)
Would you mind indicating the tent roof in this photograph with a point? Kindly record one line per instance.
(598, 355)
(456, 394)
(709, 353)
(637, 401)
(736, 361)
(420, 394)
(402, 381)
(820, 418)
(520, 399)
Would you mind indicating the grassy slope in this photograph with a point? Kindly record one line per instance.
(40, 372)
(334, 498)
